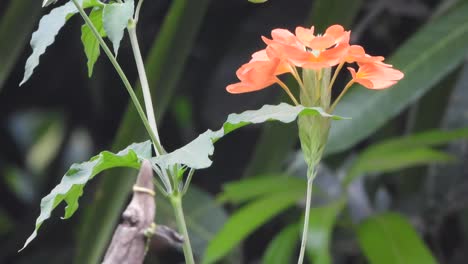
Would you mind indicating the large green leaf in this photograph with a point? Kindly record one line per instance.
(16, 23)
(71, 187)
(321, 223)
(49, 27)
(90, 43)
(399, 153)
(255, 187)
(283, 246)
(165, 61)
(196, 154)
(433, 52)
(247, 219)
(115, 19)
(390, 239)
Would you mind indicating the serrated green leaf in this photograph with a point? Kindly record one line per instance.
(90, 43)
(247, 219)
(196, 154)
(251, 188)
(165, 61)
(432, 53)
(400, 153)
(283, 246)
(16, 23)
(115, 19)
(321, 223)
(48, 2)
(390, 239)
(49, 27)
(72, 184)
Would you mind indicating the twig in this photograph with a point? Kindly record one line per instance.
(129, 242)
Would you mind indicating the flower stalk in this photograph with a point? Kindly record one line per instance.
(176, 201)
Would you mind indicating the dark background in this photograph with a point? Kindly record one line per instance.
(75, 117)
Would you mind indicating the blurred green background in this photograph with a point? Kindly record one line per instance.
(393, 187)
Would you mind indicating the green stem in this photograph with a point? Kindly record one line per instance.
(176, 201)
(144, 82)
(119, 70)
(305, 228)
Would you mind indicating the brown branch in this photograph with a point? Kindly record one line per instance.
(128, 244)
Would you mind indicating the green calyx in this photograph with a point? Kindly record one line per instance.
(313, 130)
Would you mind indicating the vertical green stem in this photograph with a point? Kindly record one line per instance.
(176, 201)
(305, 228)
(144, 81)
(121, 73)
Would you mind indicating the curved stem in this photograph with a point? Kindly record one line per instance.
(305, 228)
(348, 85)
(176, 201)
(187, 182)
(144, 82)
(286, 89)
(137, 11)
(119, 70)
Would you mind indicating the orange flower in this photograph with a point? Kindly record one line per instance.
(357, 54)
(255, 75)
(376, 75)
(319, 51)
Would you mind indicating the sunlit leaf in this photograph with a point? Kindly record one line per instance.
(427, 57)
(196, 154)
(247, 219)
(283, 246)
(90, 43)
(257, 1)
(71, 187)
(390, 239)
(115, 19)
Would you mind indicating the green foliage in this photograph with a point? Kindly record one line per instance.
(90, 43)
(282, 248)
(321, 223)
(71, 187)
(166, 60)
(429, 55)
(115, 18)
(390, 239)
(15, 25)
(238, 192)
(400, 153)
(48, 2)
(49, 27)
(248, 218)
(196, 154)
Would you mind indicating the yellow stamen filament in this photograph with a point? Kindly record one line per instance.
(286, 89)
(348, 85)
(335, 75)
